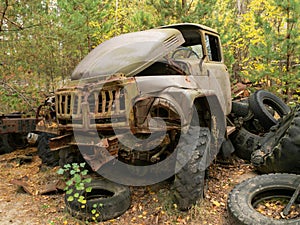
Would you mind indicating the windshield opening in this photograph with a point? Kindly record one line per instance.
(167, 66)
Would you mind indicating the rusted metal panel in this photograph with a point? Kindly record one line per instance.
(102, 103)
(99, 153)
(34, 189)
(60, 142)
(17, 125)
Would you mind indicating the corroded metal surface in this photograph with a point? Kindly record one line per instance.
(16, 125)
(141, 97)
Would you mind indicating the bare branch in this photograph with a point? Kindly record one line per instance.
(14, 23)
(8, 87)
(3, 15)
(23, 28)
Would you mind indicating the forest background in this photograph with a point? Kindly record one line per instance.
(42, 41)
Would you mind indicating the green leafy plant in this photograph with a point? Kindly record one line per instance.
(76, 181)
(95, 212)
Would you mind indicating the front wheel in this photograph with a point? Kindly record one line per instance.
(68, 156)
(189, 181)
(50, 158)
(256, 200)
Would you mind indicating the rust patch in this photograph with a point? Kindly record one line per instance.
(17, 125)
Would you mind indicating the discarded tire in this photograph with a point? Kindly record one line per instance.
(240, 108)
(50, 158)
(17, 140)
(247, 195)
(280, 151)
(189, 181)
(107, 200)
(259, 103)
(244, 143)
(12, 141)
(4, 145)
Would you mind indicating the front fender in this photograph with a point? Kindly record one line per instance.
(206, 103)
(183, 102)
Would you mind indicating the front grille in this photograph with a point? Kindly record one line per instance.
(68, 104)
(104, 106)
(106, 103)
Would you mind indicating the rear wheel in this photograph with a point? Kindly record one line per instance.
(17, 140)
(4, 145)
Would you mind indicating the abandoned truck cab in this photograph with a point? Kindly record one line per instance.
(146, 97)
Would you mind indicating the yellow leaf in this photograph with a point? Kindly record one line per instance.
(216, 203)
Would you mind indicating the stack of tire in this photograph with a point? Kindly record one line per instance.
(279, 151)
(257, 116)
(276, 152)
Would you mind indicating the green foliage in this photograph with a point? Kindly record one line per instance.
(261, 40)
(43, 41)
(76, 180)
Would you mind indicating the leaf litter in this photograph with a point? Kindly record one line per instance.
(149, 205)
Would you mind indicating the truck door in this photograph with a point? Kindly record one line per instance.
(217, 71)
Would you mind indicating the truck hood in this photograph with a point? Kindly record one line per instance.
(128, 53)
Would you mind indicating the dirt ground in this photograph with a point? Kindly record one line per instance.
(24, 178)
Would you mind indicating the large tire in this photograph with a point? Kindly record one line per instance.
(50, 158)
(17, 140)
(4, 145)
(244, 143)
(240, 108)
(258, 103)
(244, 196)
(12, 141)
(280, 152)
(189, 181)
(112, 200)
